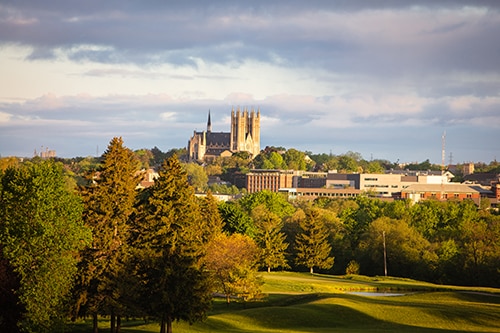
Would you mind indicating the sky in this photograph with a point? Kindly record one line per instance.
(390, 79)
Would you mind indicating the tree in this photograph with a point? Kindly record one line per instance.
(168, 238)
(197, 176)
(270, 238)
(109, 202)
(236, 220)
(313, 249)
(211, 220)
(294, 159)
(232, 261)
(273, 201)
(409, 254)
(41, 230)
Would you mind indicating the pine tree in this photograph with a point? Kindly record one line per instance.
(109, 202)
(168, 242)
(270, 238)
(313, 249)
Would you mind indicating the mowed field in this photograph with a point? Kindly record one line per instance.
(301, 302)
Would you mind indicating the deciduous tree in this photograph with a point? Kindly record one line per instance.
(41, 231)
(232, 261)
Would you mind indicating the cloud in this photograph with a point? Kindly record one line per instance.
(352, 75)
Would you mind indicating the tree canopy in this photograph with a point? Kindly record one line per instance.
(41, 231)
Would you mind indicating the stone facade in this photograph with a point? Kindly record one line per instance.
(244, 136)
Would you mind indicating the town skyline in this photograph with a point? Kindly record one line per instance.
(385, 79)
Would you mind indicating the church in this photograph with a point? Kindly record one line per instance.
(244, 136)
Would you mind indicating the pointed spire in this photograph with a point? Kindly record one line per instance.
(209, 123)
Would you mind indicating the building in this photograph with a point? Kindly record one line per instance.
(313, 193)
(388, 184)
(452, 191)
(271, 180)
(244, 136)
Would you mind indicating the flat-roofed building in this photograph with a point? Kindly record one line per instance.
(386, 184)
(458, 192)
(272, 180)
(313, 193)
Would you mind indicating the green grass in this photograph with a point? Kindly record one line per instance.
(301, 302)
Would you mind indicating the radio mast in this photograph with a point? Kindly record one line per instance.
(443, 156)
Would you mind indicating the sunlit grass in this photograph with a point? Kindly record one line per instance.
(300, 302)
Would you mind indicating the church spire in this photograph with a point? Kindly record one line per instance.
(209, 123)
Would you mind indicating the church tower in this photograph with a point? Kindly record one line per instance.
(245, 131)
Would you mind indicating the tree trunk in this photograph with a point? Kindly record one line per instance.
(269, 269)
(112, 322)
(118, 324)
(95, 326)
(162, 325)
(312, 270)
(169, 324)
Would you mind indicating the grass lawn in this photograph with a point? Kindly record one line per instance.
(301, 302)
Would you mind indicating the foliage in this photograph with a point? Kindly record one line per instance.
(313, 249)
(352, 268)
(224, 189)
(236, 219)
(197, 176)
(232, 261)
(270, 238)
(109, 202)
(274, 202)
(40, 231)
(168, 237)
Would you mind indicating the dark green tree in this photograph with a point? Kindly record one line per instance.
(270, 238)
(311, 243)
(236, 219)
(109, 202)
(168, 238)
(41, 231)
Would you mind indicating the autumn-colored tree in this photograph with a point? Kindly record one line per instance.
(232, 261)
(41, 231)
(168, 237)
(311, 243)
(109, 202)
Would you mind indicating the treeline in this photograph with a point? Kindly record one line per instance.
(102, 247)
(106, 248)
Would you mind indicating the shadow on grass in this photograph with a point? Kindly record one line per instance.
(440, 312)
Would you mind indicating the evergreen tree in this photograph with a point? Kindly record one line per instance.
(41, 229)
(270, 238)
(168, 238)
(313, 249)
(211, 222)
(109, 202)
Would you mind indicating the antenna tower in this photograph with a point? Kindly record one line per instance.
(443, 156)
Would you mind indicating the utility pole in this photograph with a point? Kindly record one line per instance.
(385, 254)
